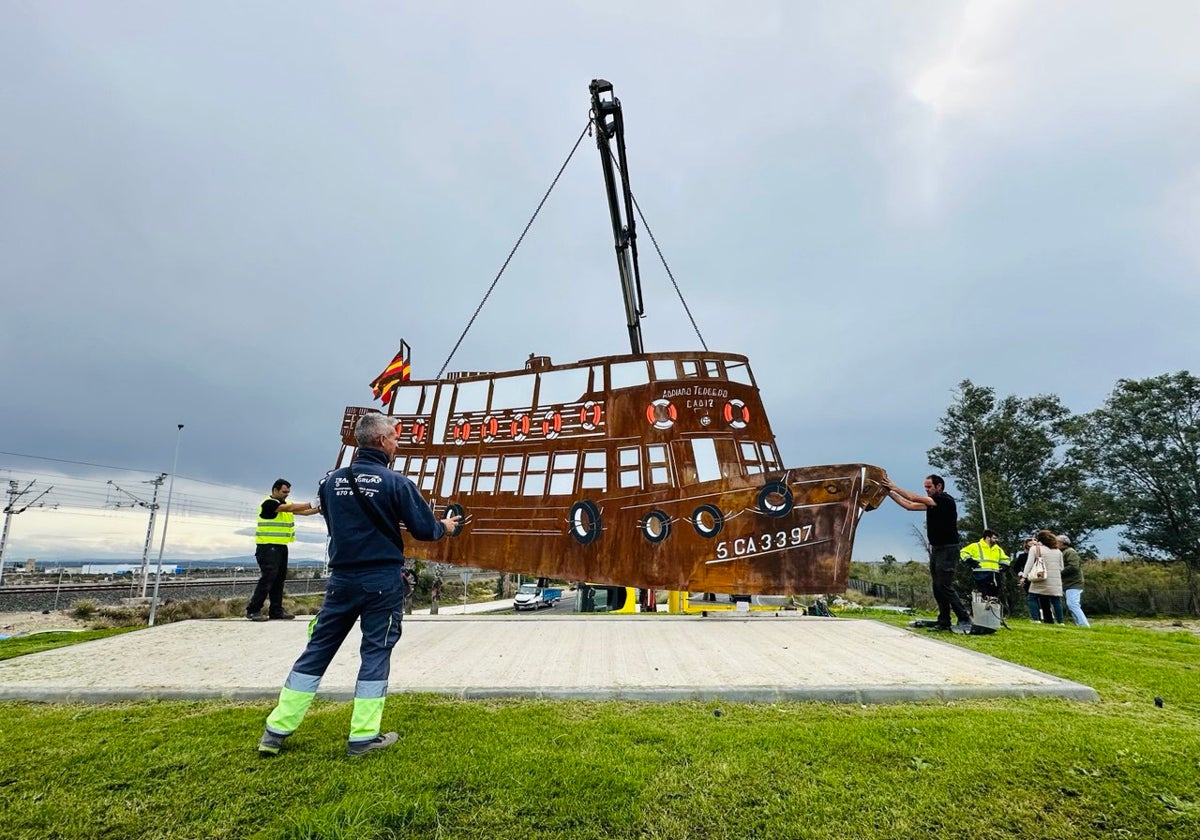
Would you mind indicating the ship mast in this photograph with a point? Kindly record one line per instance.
(610, 126)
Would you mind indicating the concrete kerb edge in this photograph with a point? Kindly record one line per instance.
(741, 694)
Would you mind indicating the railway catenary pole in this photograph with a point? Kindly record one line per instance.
(166, 520)
(10, 510)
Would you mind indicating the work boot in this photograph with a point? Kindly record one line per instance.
(270, 743)
(283, 616)
(256, 616)
(379, 742)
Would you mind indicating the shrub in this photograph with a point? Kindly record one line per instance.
(83, 609)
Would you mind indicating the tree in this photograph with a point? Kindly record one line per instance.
(1026, 484)
(1143, 448)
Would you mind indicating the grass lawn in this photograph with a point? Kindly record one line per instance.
(518, 769)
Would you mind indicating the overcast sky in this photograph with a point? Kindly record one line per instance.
(227, 215)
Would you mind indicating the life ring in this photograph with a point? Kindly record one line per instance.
(399, 428)
(661, 414)
(551, 425)
(418, 431)
(519, 428)
(589, 416)
(462, 431)
(584, 521)
(775, 499)
(655, 526)
(455, 509)
(736, 414)
(488, 429)
(708, 520)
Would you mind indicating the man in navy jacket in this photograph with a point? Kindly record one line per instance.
(366, 560)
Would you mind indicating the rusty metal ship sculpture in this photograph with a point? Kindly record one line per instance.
(649, 470)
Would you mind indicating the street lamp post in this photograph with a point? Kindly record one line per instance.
(166, 520)
(978, 482)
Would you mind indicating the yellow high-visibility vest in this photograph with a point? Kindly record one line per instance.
(989, 557)
(278, 531)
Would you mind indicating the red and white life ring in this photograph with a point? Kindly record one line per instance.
(736, 414)
(462, 431)
(488, 429)
(551, 425)
(661, 414)
(589, 416)
(519, 427)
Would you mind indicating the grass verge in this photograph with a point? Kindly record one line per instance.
(519, 769)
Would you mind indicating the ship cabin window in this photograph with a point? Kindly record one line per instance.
(560, 387)
(627, 374)
(510, 473)
(594, 475)
(629, 467)
(535, 475)
(664, 369)
(421, 471)
(486, 482)
(758, 457)
(770, 457)
(512, 392)
(408, 399)
(739, 372)
(467, 477)
(448, 471)
(656, 464)
(471, 396)
(751, 460)
(562, 474)
(701, 368)
(704, 451)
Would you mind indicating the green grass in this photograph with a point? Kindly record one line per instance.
(521, 769)
(37, 642)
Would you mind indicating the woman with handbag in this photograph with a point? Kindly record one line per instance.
(1043, 573)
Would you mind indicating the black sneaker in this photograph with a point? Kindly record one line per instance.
(282, 617)
(379, 742)
(256, 616)
(942, 628)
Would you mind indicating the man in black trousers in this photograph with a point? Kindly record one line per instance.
(941, 527)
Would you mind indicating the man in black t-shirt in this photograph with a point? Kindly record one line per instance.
(941, 527)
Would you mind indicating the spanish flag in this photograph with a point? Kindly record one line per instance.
(398, 370)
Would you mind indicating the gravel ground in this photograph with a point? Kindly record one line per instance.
(18, 623)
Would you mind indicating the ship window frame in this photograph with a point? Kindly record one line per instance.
(467, 473)
(562, 473)
(487, 469)
(471, 396)
(590, 470)
(512, 393)
(739, 372)
(629, 469)
(512, 467)
(713, 369)
(626, 374)
(690, 368)
(534, 477)
(770, 457)
(658, 469)
(404, 402)
(565, 386)
(750, 454)
(704, 457)
(429, 474)
(449, 476)
(664, 369)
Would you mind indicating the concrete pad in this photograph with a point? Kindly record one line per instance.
(756, 658)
